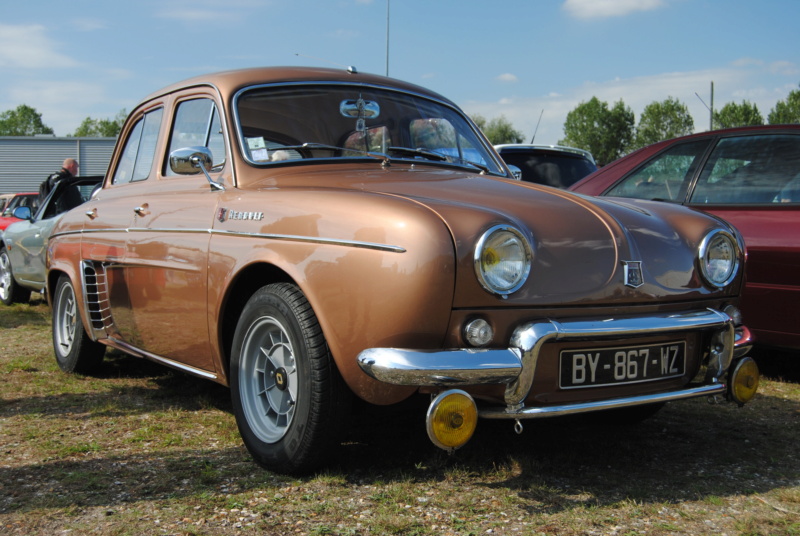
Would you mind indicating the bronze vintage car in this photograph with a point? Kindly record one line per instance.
(304, 235)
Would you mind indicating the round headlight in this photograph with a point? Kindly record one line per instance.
(502, 259)
(719, 258)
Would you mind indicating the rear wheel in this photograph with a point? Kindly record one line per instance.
(75, 351)
(10, 291)
(288, 398)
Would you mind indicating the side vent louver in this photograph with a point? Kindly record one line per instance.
(95, 286)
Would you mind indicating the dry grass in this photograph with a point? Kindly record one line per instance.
(145, 450)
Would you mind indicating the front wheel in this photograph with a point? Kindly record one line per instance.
(75, 351)
(288, 398)
(10, 291)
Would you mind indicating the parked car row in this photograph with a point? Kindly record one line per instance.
(306, 236)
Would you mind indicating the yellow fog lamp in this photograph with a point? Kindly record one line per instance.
(744, 380)
(452, 418)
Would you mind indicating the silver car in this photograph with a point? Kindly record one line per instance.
(23, 245)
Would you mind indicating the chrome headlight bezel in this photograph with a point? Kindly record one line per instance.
(492, 269)
(714, 270)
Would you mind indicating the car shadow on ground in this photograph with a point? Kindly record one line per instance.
(689, 450)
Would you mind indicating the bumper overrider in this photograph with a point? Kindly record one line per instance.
(452, 416)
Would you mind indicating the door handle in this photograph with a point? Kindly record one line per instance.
(92, 214)
(142, 210)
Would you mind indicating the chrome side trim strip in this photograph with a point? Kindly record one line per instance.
(317, 240)
(264, 236)
(137, 352)
(585, 407)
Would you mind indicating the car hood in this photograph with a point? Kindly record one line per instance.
(580, 244)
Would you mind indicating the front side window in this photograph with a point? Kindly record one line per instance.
(197, 123)
(751, 170)
(299, 123)
(139, 151)
(665, 177)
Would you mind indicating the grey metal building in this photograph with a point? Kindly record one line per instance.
(25, 161)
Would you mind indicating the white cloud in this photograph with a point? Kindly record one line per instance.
(590, 9)
(507, 77)
(88, 25)
(784, 68)
(30, 47)
(228, 11)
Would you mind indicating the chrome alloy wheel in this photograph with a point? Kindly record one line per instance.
(268, 376)
(65, 320)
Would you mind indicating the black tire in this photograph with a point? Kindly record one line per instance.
(288, 398)
(10, 291)
(75, 351)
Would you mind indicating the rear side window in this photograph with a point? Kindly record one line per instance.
(751, 170)
(665, 177)
(557, 169)
(139, 151)
(197, 123)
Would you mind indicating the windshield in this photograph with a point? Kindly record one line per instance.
(280, 124)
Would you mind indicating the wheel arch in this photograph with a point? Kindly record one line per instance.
(239, 291)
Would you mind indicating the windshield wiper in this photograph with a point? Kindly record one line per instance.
(484, 169)
(408, 151)
(433, 155)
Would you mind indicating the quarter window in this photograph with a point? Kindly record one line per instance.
(197, 123)
(140, 148)
(751, 170)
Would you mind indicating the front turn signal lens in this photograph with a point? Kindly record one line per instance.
(452, 419)
(744, 381)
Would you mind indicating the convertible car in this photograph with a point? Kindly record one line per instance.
(306, 236)
(23, 244)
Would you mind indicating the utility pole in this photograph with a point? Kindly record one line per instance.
(388, 4)
(709, 108)
(711, 120)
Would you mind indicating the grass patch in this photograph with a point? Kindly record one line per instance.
(140, 449)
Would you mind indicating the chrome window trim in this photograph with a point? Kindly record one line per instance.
(490, 152)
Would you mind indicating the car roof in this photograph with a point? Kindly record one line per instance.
(500, 148)
(229, 82)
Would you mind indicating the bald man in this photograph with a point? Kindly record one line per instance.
(68, 169)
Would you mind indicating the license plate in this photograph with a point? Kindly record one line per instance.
(630, 364)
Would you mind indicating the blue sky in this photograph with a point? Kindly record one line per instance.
(516, 58)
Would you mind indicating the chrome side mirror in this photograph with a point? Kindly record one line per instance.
(193, 160)
(516, 172)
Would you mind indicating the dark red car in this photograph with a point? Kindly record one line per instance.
(751, 178)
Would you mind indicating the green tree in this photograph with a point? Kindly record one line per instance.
(101, 128)
(22, 121)
(786, 111)
(662, 121)
(738, 115)
(606, 133)
(498, 130)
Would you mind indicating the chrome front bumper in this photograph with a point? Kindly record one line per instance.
(516, 366)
